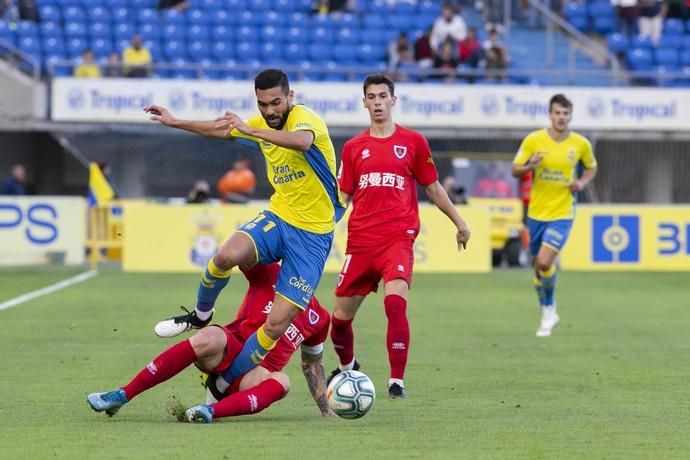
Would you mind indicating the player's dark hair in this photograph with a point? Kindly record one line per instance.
(560, 99)
(271, 78)
(378, 79)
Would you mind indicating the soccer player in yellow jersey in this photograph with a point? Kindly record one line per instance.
(297, 228)
(552, 155)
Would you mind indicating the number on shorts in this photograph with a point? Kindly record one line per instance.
(348, 258)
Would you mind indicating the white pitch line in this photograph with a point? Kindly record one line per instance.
(47, 290)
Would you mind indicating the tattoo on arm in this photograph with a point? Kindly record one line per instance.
(312, 367)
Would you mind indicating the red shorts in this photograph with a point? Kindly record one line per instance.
(363, 269)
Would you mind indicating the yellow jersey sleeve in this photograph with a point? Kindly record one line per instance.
(587, 154)
(526, 150)
(254, 122)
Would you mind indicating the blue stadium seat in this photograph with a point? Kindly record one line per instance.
(171, 16)
(299, 19)
(667, 58)
(671, 41)
(173, 49)
(373, 21)
(347, 36)
(198, 18)
(73, 14)
(402, 7)
(6, 32)
(174, 32)
(221, 51)
(147, 15)
(182, 69)
(198, 50)
(269, 34)
(98, 13)
(297, 35)
(53, 46)
(50, 29)
(75, 29)
(640, 59)
(334, 76)
(52, 63)
(429, 7)
(247, 33)
(197, 32)
(400, 21)
(641, 41)
(581, 23)
(123, 31)
(246, 51)
(574, 10)
(222, 34)
(369, 54)
(296, 50)
(685, 58)
(375, 6)
(601, 9)
(208, 71)
(349, 20)
(259, 5)
(75, 46)
(322, 20)
(143, 4)
(101, 47)
(249, 18)
(236, 5)
(285, 5)
(120, 15)
(322, 35)
(272, 18)
(27, 29)
(271, 52)
(49, 13)
(222, 18)
(604, 24)
(345, 53)
(100, 30)
(674, 26)
(319, 52)
(374, 37)
(147, 32)
(113, 4)
(617, 43)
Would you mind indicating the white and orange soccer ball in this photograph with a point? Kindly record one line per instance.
(351, 394)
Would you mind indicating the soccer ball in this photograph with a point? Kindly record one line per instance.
(351, 394)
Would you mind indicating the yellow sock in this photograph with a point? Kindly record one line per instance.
(217, 272)
(548, 273)
(264, 340)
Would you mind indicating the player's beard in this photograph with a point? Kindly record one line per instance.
(280, 118)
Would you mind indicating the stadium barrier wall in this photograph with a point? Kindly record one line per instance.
(340, 104)
(629, 238)
(41, 230)
(168, 238)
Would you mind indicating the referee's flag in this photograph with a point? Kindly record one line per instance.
(100, 191)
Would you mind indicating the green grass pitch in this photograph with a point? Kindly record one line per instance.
(611, 383)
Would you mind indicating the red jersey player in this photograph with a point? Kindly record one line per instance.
(379, 172)
(213, 349)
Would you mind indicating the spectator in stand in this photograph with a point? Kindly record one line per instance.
(179, 5)
(651, 19)
(88, 67)
(627, 14)
(494, 184)
(678, 9)
(200, 193)
(238, 183)
(136, 59)
(399, 43)
(456, 193)
(423, 53)
(113, 68)
(496, 59)
(448, 25)
(446, 62)
(406, 69)
(28, 10)
(8, 11)
(14, 183)
(470, 49)
(493, 14)
(332, 6)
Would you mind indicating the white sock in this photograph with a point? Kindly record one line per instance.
(398, 381)
(203, 315)
(347, 367)
(221, 384)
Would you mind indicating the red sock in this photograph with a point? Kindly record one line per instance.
(398, 337)
(250, 401)
(343, 338)
(171, 362)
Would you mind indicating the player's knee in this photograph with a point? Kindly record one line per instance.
(542, 265)
(208, 341)
(225, 259)
(275, 327)
(283, 379)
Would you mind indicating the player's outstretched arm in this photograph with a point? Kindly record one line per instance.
(297, 140)
(439, 197)
(312, 367)
(531, 165)
(203, 128)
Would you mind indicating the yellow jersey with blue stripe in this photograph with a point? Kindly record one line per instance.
(306, 190)
(551, 197)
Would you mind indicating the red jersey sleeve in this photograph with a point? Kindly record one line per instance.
(424, 167)
(346, 174)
